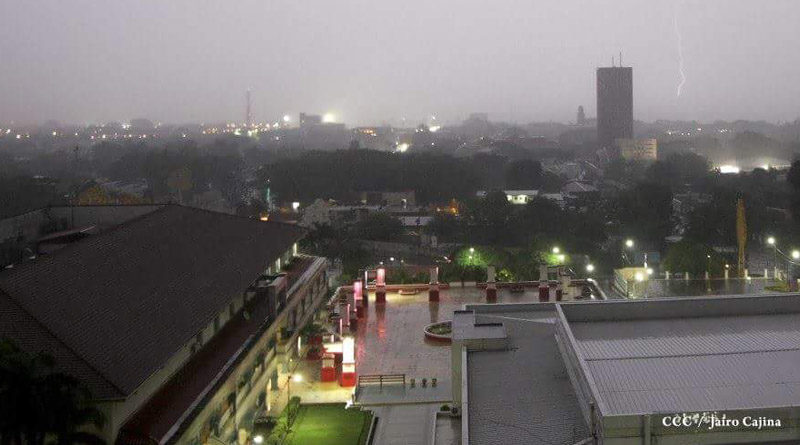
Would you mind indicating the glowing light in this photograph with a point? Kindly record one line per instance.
(561, 258)
(287, 118)
(329, 118)
(729, 169)
(629, 243)
(649, 271)
(638, 277)
(796, 254)
(471, 250)
(771, 241)
(297, 378)
(259, 439)
(434, 128)
(380, 278)
(556, 250)
(348, 350)
(295, 206)
(402, 147)
(590, 268)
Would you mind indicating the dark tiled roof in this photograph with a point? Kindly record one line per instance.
(114, 307)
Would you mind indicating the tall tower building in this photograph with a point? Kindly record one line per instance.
(614, 104)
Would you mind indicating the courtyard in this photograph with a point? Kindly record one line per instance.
(330, 424)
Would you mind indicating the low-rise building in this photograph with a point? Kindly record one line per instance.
(708, 370)
(180, 321)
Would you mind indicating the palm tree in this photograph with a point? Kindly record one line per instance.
(39, 406)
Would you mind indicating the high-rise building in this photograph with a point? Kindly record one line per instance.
(614, 105)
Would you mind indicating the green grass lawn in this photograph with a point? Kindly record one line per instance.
(329, 424)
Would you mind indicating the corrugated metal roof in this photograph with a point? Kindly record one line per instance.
(693, 364)
(687, 336)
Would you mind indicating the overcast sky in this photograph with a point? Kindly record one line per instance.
(372, 61)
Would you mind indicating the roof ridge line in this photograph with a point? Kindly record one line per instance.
(102, 234)
(711, 354)
(60, 341)
(233, 215)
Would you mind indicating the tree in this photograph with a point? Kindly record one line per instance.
(379, 227)
(645, 213)
(693, 257)
(36, 402)
(525, 174)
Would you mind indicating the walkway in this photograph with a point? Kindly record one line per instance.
(404, 424)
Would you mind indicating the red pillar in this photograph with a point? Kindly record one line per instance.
(433, 287)
(491, 286)
(380, 285)
(544, 292)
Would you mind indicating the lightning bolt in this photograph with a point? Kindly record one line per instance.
(680, 50)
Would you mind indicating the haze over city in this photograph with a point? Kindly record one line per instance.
(352, 222)
(80, 61)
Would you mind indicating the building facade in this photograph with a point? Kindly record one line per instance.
(614, 105)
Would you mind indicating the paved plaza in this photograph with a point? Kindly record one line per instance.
(390, 339)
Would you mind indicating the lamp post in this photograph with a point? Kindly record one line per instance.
(628, 245)
(771, 242)
(297, 378)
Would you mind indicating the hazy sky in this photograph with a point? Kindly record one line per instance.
(372, 61)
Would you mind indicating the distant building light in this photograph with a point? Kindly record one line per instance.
(287, 118)
(729, 169)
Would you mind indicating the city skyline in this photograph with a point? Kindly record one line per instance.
(76, 63)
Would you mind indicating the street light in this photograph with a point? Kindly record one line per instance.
(556, 250)
(590, 268)
(771, 242)
(796, 254)
(297, 378)
(629, 243)
(471, 250)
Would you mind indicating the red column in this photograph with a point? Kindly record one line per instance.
(491, 286)
(544, 292)
(433, 286)
(380, 286)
